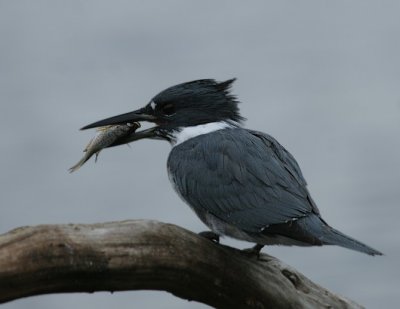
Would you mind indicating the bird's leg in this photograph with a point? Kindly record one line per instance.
(254, 250)
(210, 236)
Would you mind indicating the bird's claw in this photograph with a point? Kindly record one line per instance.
(210, 236)
(253, 251)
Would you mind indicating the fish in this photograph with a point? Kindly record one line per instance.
(105, 137)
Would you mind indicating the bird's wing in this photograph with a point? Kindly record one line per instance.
(245, 178)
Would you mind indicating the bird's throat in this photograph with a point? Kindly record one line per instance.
(181, 135)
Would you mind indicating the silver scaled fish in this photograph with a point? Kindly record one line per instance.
(106, 136)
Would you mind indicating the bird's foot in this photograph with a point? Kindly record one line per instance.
(253, 251)
(210, 236)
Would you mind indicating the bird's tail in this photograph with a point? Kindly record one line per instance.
(332, 236)
(315, 231)
(312, 230)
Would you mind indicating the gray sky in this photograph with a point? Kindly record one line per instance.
(320, 76)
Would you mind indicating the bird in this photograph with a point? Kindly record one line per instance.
(241, 183)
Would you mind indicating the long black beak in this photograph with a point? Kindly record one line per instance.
(142, 114)
(135, 116)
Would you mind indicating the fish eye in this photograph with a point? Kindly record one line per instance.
(168, 109)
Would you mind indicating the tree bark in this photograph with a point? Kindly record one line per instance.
(150, 255)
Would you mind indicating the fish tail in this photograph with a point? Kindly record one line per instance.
(79, 164)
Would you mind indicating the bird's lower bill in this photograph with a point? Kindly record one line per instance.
(134, 136)
(134, 117)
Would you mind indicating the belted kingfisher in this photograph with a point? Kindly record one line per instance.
(241, 183)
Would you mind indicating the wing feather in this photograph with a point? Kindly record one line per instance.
(242, 177)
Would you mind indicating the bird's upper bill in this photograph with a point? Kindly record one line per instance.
(131, 117)
(184, 105)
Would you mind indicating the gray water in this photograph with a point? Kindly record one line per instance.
(320, 76)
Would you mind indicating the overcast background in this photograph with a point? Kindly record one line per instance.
(320, 76)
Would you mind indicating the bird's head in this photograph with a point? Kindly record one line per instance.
(184, 105)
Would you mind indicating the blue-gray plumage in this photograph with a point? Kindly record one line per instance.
(241, 183)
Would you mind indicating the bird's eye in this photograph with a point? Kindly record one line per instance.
(168, 109)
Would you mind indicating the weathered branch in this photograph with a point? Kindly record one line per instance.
(135, 255)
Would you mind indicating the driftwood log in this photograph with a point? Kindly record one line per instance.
(150, 255)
